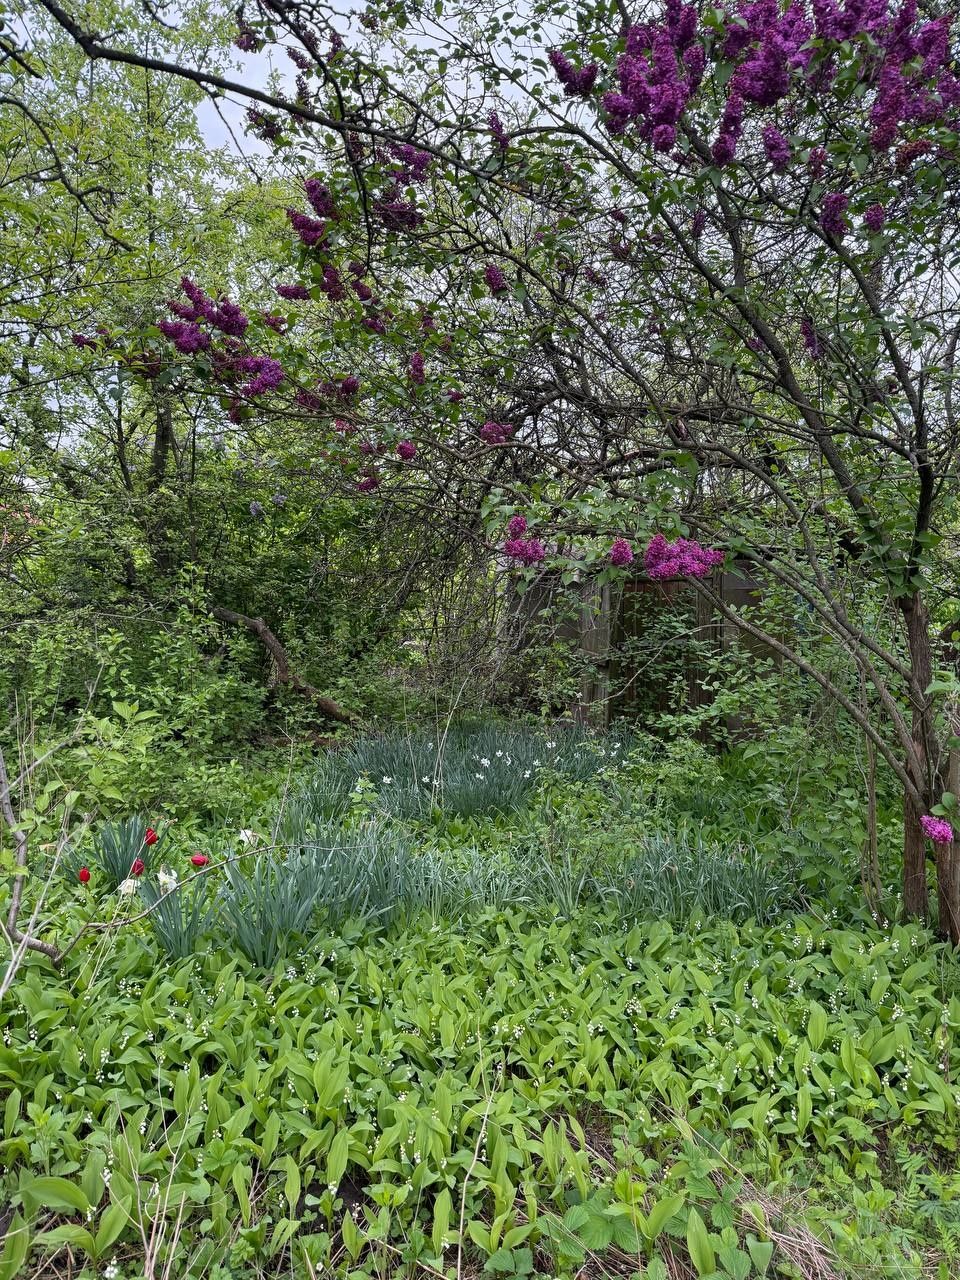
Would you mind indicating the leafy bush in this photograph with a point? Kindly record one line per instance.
(642, 1096)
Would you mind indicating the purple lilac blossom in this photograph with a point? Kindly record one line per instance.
(811, 339)
(321, 199)
(415, 370)
(526, 550)
(776, 148)
(186, 336)
(517, 526)
(936, 829)
(309, 230)
(832, 212)
(621, 553)
(268, 374)
(406, 450)
(874, 218)
(683, 558)
(496, 280)
(496, 432)
(414, 163)
(397, 214)
(576, 82)
(294, 292)
(497, 131)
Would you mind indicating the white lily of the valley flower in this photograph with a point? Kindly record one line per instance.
(128, 888)
(168, 879)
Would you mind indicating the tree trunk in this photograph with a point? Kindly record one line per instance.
(332, 710)
(948, 856)
(915, 894)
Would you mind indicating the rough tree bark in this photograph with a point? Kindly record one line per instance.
(916, 901)
(284, 674)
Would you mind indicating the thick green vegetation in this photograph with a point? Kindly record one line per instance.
(372, 1035)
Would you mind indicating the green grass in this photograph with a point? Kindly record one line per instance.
(643, 1099)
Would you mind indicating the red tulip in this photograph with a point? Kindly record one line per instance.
(137, 868)
(83, 875)
(151, 837)
(199, 859)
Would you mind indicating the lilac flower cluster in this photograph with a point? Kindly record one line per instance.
(309, 400)
(832, 214)
(414, 163)
(776, 148)
(657, 74)
(81, 340)
(267, 128)
(455, 396)
(577, 82)
(496, 432)
(273, 321)
(731, 126)
(268, 374)
(294, 292)
(683, 558)
(415, 370)
(621, 553)
(222, 314)
(516, 526)
(811, 339)
(397, 214)
(186, 336)
(309, 230)
(497, 131)
(908, 61)
(910, 64)
(526, 550)
(369, 482)
(936, 829)
(496, 280)
(406, 450)
(246, 41)
(321, 199)
(332, 284)
(874, 218)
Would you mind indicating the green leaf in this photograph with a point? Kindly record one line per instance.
(16, 1245)
(441, 1221)
(660, 1215)
(54, 1193)
(817, 1024)
(698, 1243)
(110, 1226)
(337, 1159)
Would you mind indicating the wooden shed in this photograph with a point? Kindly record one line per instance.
(616, 627)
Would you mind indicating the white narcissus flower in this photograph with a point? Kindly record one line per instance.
(128, 888)
(168, 879)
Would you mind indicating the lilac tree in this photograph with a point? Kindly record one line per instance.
(680, 271)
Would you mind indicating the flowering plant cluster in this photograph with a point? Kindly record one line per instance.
(937, 829)
(683, 558)
(905, 61)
